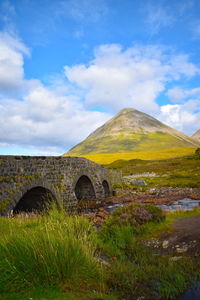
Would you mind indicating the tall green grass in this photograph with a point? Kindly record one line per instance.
(55, 250)
(58, 257)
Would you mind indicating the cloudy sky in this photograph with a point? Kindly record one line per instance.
(67, 66)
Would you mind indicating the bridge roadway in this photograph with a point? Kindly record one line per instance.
(29, 183)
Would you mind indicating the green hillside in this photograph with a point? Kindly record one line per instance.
(135, 142)
(107, 158)
(174, 172)
(132, 131)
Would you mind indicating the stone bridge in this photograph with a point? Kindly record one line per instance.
(29, 183)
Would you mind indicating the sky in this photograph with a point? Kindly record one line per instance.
(68, 66)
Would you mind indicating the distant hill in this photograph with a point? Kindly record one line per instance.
(196, 135)
(132, 131)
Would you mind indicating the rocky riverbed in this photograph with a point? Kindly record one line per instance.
(167, 198)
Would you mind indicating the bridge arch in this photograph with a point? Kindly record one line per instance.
(84, 188)
(106, 188)
(45, 187)
(36, 199)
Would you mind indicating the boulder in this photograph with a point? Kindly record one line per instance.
(139, 182)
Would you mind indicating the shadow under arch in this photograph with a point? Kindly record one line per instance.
(84, 189)
(106, 188)
(36, 199)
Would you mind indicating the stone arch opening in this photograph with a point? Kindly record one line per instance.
(37, 199)
(84, 189)
(106, 188)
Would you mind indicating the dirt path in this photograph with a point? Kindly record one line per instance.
(184, 240)
(187, 228)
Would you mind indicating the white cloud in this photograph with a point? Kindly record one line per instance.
(59, 124)
(12, 51)
(165, 14)
(184, 117)
(135, 77)
(158, 16)
(7, 12)
(178, 94)
(181, 66)
(43, 116)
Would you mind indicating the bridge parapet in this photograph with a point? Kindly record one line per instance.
(62, 176)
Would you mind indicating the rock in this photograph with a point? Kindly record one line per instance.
(98, 221)
(126, 216)
(139, 182)
(165, 244)
(175, 258)
(182, 250)
(103, 261)
(152, 191)
(101, 214)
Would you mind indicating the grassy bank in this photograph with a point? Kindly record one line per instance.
(63, 257)
(175, 172)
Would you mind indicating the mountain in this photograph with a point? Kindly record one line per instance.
(196, 135)
(132, 131)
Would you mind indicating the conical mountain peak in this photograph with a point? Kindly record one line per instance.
(131, 130)
(196, 135)
(129, 121)
(126, 110)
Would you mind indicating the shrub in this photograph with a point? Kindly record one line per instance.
(157, 213)
(136, 214)
(197, 153)
(119, 231)
(123, 185)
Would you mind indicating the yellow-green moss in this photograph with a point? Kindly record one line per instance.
(4, 205)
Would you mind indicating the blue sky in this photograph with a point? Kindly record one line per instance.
(67, 66)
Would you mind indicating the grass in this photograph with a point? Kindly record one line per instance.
(174, 172)
(148, 275)
(183, 214)
(38, 294)
(54, 293)
(58, 257)
(48, 251)
(108, 158)
(128, 141)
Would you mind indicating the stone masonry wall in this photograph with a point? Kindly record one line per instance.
(18, 174)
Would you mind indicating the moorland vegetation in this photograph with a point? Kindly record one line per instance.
(179, 172)
(57, 256)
